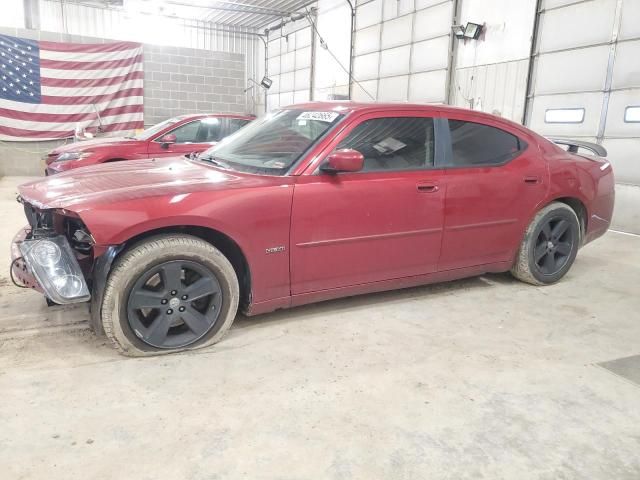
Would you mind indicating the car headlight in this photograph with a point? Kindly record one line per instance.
(72, 156)
(56, 269)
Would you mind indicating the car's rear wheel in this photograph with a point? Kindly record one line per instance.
(169, 293)
(549, 246)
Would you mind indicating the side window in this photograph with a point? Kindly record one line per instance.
(210, 130)
(393, 143)
(235, 124)
(475, 144)
(187, 133)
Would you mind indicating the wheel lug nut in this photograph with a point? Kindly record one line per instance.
(169, 311)
(163, 301)
(181, 309)
(184, 297)
(173, 292)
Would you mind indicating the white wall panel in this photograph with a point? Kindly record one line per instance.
(361, 88)
(395, 61)
(369, 14)
(572, 71)
(616, 126)
(397, 32)
(393, 89)
(591, 102)
(302, 79)
(626, 70)
(629, 24)
(365, 67)
(622, 153)
(430, 54)
(367, 40)
(288, 62)
(428, 87)
(286, 98)
(577, 25)
(303, 58)
(301, 96)
(286, 81)
(433, 22)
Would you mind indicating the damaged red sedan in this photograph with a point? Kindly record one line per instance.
(312, 202)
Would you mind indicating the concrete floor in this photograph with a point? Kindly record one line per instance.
(480, 378)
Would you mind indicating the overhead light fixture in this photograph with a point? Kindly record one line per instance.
(472, 31)
(458, 30)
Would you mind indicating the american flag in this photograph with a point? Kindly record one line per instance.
(49, 88)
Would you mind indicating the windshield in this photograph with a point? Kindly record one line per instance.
(151, 131)
(271, 145)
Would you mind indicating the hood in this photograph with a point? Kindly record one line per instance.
(84, 145)
(81, 188)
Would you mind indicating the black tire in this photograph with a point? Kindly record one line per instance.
(549, 246)
(170, 261)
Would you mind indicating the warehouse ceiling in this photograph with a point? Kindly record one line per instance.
(245, 13)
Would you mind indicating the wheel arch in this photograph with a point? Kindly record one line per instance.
(577, 206)
(223, 242)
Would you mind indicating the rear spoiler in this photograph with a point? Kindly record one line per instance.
(574, 145)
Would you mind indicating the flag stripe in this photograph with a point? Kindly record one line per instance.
(87, 47)
(90, 82)
(53, 100)
(69, 117)
(19, 134)
(88, 74)
(69, 65)
(91, 91)
(90, 57)
(57, 126)
(80, 108)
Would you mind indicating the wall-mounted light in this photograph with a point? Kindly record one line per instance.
(266, 83)
(470, 31)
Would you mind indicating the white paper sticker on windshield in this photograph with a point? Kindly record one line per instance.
(320, 116)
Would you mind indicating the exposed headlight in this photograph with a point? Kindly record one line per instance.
(54, 265)
(72, 156)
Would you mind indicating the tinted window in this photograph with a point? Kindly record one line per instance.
(393, 143)
(476, 144)
(187, 133)
(236, 124)
(210, 130)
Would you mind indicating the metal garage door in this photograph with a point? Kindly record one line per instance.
(586, 79)
(289, 62)
(402, 50)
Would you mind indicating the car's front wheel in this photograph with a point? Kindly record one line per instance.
(169, 293)
(549, 246)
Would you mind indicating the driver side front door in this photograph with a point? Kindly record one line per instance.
(382, 223)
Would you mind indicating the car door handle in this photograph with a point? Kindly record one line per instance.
(531, 179)
(427, 188)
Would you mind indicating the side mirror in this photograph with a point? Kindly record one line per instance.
(167, 140)
(346, 160)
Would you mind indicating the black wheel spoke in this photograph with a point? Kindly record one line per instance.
(563, 248)
(157, 332)
(549, 263)
(172, 276)
(197, 322)
(559, 229)
(540, 252)
(145, 299)
(546, 231)
(201, 288)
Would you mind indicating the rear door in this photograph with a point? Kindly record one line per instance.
(494, 181)
(384, 222)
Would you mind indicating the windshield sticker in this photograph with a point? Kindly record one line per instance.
(320, 116)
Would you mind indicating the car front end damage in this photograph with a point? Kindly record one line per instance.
(54, 255)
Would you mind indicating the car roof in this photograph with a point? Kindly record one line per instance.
(347, 106)
(195, 116)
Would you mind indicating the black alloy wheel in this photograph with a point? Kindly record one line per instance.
(174, 304)
(554, 245)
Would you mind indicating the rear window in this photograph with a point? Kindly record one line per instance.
(475, 144)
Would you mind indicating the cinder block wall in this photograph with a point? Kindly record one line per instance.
(176, 81)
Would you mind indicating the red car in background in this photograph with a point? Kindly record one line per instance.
(176, 136)
(312, 202)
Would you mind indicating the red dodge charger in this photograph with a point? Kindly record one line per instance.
(175, 136)
(312, 202)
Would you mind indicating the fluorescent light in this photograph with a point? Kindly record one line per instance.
(564, 115)
(632, 114)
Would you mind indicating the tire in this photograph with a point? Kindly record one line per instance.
(159, 259)
(545, 256)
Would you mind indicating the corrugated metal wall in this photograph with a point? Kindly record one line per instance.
(78, 19)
